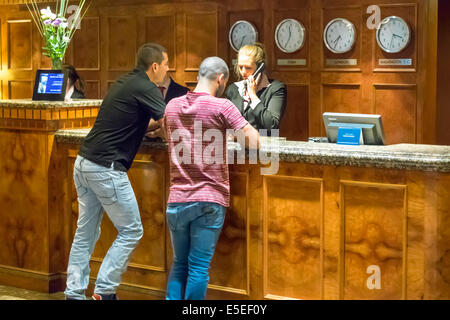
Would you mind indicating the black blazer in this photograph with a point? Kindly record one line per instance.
(268, 113)
(175, 90)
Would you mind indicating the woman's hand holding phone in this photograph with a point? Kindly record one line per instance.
(253, 82)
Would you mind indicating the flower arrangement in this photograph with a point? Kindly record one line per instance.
(56, 29)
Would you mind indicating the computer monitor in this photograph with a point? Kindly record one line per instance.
(371, 125)
(50, 85)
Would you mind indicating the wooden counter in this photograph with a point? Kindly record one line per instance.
(314, 230)
(30, 249)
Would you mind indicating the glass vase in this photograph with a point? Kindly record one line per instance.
(56, 64)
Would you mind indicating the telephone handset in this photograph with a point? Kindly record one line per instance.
(259, 70)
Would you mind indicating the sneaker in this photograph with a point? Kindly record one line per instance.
(96, 296)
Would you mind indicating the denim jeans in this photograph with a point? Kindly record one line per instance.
(194, 229)
(102, 189)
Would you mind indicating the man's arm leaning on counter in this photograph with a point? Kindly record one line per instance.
(156, 129)
(251, 137)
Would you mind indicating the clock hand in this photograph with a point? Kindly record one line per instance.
(336, 41)
(289, 38)
(390, 44)
(396, 35)
(242, 41)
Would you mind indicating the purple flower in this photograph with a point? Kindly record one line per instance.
(48, 21)
(56, 22)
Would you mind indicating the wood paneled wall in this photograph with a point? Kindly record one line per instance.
(443, 77)
(105, 48)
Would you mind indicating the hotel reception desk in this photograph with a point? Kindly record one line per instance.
(334, 222)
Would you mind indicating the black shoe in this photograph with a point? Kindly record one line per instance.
(97, 296)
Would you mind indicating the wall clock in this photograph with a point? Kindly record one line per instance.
(241, 33)
(290, 35)
(393, 34)
(339, 35)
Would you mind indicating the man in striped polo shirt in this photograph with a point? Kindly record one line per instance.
(196, 125)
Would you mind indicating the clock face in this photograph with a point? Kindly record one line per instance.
(339, 35)
(290, 35)
(242, 33)
(393, 34)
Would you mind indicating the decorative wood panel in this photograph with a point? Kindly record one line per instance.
(162, 30)
(200, 28)
(86, 45)
(121, 34)
(294, 124)
(148, 176)
(22, 233)
(397, 105)
(373, 235)
(340, 98)
(20, 89)
(293, 254)
(443, 262)
(230, 265)
(92, 90)
(20, 46)
(407, 12)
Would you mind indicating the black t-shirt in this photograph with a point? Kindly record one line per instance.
(122, 121)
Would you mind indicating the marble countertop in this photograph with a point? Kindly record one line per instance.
(30, 104)
(400, 156)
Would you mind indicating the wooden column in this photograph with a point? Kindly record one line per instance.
(30, 233)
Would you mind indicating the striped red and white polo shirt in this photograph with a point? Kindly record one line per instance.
(196, 125)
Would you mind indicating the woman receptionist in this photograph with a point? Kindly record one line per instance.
(260, 100)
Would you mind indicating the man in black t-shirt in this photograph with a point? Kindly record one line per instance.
(100, 174)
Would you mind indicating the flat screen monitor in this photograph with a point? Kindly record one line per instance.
(50, 85)
(371, 125)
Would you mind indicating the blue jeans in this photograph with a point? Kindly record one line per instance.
(102, 189)
(194, 229)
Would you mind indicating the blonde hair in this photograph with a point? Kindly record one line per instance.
(256, 51)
